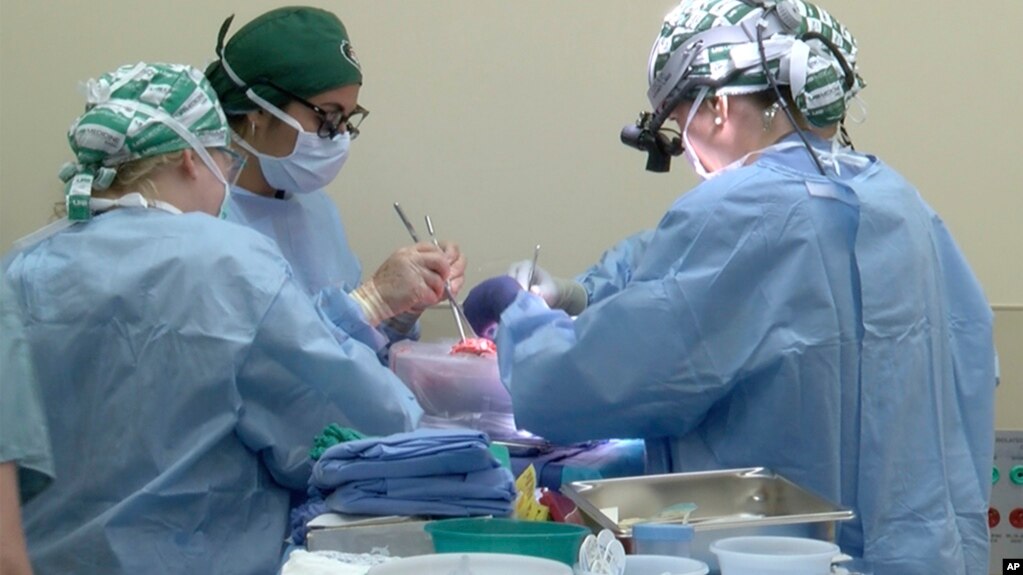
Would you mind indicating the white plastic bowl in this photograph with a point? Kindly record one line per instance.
(475, 563)
(661, 564)
(774, 555)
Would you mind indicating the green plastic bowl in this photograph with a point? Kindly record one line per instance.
(557, 541)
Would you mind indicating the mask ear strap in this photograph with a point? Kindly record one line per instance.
(274, 110)
(249, 92)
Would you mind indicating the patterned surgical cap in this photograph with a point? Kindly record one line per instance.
(135, 112)
(798, 59)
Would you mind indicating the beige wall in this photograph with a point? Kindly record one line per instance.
(501, 118)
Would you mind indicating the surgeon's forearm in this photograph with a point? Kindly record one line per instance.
(13, 554)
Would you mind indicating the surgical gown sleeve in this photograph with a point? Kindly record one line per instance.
(721, 276)
(24, 436)
(615, 268)
(333, 378)
(344, 312)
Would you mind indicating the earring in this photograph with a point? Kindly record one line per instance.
(252, 126)
(718, 121)
(769, 113)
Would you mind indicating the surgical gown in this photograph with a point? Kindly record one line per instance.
(24, 438)
(184, 374)
(308, 230)
(825, 327)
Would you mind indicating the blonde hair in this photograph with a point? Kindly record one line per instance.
(133, 176)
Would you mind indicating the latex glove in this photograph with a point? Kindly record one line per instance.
(485, 303)
(411, 277)
(456, 266)
(559, 293)
(455, 277)
(403, 323)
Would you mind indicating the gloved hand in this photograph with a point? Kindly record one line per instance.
(559, 293)
(412, 277)
(456, 266)
(486, 302)
(406, 321)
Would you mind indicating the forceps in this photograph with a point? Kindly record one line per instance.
(456, 309)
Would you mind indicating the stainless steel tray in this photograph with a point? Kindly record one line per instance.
(733, 502)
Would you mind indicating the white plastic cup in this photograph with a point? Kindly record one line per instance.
(662, 539)
(774, 556)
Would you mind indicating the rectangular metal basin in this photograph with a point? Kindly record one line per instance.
(729, 503)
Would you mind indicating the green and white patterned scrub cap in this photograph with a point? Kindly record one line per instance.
(134, 112)
(723, 36)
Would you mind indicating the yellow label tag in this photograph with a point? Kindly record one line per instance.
(526, 505)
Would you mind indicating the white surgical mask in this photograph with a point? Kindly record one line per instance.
(222, 213)
(311, 165)
(694, 160)
(691, 156)
(219, 174)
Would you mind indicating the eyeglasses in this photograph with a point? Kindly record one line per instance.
(331, 121)
(235, 164)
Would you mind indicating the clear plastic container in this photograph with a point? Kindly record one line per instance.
(460, 390)
(774, 555)
(662, 539)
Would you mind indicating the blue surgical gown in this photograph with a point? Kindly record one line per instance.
(308, 230)
(825, 327)
(24, 438)
(184, 374)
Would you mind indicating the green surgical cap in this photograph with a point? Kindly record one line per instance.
(135, 112)
(813, 73)
(304, 50)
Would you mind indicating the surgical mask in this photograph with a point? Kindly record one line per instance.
(222, 212)
(311, 165)
(690, 154)
(694, 160)
(236, 166)
(237, 163)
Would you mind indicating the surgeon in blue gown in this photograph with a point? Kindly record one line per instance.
(289, 81)
(183, 369)
(807, 312)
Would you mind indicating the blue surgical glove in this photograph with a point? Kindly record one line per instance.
(485, 303)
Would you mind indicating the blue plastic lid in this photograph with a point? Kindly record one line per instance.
(662, 532)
